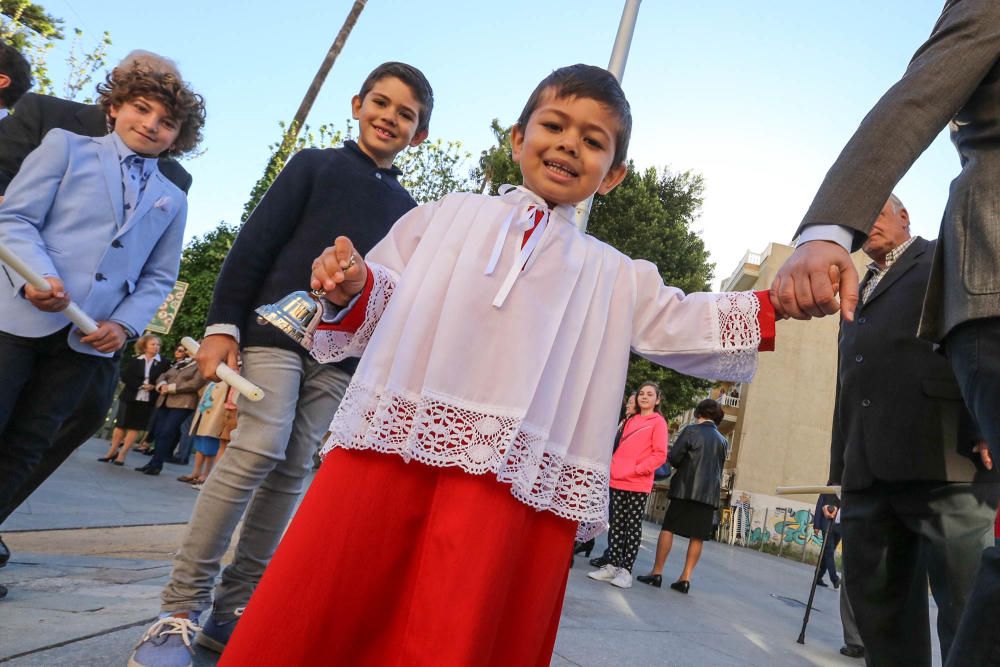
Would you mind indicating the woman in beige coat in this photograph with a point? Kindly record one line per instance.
(206, 428)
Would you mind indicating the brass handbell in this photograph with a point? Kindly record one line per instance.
(297, 314)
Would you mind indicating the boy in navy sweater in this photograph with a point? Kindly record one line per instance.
(321, 194)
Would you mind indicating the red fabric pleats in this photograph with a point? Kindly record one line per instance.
(390, 564)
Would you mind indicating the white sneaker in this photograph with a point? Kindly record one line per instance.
(623, 578)
(606, 573)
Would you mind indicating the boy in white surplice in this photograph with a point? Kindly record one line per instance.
(495, 340)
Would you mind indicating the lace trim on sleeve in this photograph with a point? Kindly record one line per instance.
(438, 431)
(331, 345)
(739, 335)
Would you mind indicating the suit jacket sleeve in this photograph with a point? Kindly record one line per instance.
(263, 236)
(943, 74)
(20, 133)
(27, 203)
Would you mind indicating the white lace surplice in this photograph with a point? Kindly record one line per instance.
(528, 390)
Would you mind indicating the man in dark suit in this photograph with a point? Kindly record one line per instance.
(917, 499)
(954, 78)
(20, 133)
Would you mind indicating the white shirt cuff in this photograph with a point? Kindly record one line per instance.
(230, 330)
(334, 314)
(844, 236)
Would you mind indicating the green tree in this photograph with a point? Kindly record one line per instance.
(200, 263)
(649, 216)
(34, 32)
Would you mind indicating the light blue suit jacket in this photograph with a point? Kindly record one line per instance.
(63, 215)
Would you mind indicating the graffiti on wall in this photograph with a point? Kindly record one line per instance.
(797, 527)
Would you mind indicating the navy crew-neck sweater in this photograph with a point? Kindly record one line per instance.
(319, 195)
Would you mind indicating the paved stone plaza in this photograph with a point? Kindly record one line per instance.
(92, 550)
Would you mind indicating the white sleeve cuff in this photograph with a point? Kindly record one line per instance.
(334, 314)
(230, 330)
(843, 236)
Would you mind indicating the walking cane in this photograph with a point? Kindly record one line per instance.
(792, 490)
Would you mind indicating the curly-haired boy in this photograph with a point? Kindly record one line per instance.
(100, 222)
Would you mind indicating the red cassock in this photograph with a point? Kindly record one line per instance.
(392, 563)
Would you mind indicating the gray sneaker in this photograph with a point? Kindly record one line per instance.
(167, 643)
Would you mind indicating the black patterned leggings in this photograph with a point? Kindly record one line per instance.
(625, 531)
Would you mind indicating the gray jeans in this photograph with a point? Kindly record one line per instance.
(264, 466)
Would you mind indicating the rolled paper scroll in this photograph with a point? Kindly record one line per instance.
(228, 375)
(72, 311)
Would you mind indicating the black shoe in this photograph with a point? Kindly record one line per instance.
(651, 579)
(852, 651)
(820, 582)
(3, 591)
(117, 463)
(584, 548)
(142, 468)
(106, 459)
(4, 553)
(836, 584)
(600, 561)
(681, 586)
(151, 471)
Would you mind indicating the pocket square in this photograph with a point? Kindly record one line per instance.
(164, 203)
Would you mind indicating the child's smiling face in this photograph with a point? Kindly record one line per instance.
(145, 125)
(566, 151)
(388, 118)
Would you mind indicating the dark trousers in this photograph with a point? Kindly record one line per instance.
(79, 427)
(43, 380)
(829, 564)
(167, 433)
(897, 535)
(973, 349)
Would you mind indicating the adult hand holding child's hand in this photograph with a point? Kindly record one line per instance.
(340, 271)
(52, 300)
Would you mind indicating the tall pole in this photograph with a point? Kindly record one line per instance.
(619, 56)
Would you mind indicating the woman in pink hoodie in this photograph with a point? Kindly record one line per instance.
(642, 450)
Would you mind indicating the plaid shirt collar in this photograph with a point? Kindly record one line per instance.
(877, 272)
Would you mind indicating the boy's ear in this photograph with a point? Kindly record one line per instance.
(356, 107)
(615, 176)
(419, 138)
(4, 81)
(516, 142)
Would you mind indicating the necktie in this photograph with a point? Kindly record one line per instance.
(132, 184)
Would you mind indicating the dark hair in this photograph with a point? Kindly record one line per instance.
(187, 107)
(709, 409)
(589, 82)
(15, 66)
(413, 78)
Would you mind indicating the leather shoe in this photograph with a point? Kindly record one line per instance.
(142, 468)
(836, 584)
(4, 553)
(820, 582)
(151, 471)
(681, 586)
(651, 579)
(3, 591)
(852, 651)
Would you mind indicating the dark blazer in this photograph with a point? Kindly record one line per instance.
(899, 415)
(954, 77)
(133, 374)
(34, 115)
(698, 455)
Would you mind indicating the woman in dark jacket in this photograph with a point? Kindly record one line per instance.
(698, 456)
(135, 402)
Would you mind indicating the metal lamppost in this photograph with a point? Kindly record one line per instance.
(619, 55)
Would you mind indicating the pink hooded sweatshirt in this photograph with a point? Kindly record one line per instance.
(643, 449)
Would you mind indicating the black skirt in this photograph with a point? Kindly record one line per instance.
(689, 518)
(133, 415)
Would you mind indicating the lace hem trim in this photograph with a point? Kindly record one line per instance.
(739, 335)
(330, 345)
(436, 431)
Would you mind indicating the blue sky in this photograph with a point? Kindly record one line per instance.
(758, 97)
